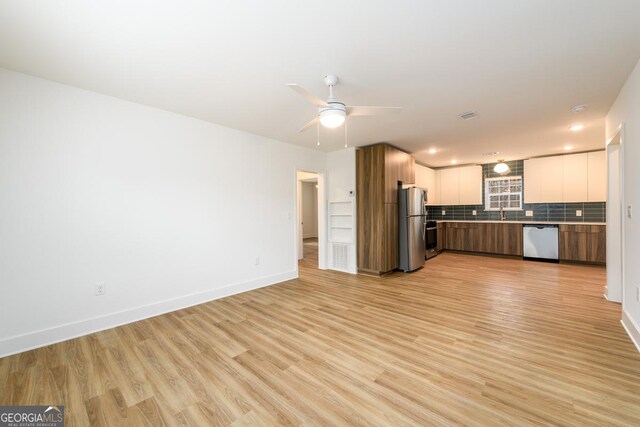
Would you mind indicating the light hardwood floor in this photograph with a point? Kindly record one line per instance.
(466, 340)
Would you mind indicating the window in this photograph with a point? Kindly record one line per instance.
(503, 192)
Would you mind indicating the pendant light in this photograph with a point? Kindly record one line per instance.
(501, 167)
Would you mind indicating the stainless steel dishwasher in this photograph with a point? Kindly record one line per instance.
(540, 242)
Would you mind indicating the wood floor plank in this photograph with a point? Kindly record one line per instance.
(466, 340)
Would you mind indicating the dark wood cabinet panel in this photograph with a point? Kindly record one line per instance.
(390, 240)
(399, 167)
(583, 243)
(369, 206)
(491, 238)
(440, 236)
(379, 168)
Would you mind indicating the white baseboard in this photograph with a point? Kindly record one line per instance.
(41, 338)
(632, 329)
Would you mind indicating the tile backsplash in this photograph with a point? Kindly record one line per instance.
(553, 212)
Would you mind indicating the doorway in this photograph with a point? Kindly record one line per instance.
(310, 219)
(309, 216)
(614, 289)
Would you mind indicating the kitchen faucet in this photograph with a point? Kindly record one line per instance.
(502, 215)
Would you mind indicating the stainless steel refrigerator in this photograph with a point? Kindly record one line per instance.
(412, 220)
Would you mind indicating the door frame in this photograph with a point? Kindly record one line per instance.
(322, 218)
(615, 288)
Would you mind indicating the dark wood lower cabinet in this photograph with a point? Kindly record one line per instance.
(491, 238)
(440, 244)
(583, 243)
(577, 243)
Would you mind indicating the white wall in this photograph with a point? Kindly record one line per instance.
(309, 209)
(167, 210)
(626, 109)
(341, 180)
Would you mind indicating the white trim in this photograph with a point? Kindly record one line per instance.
(632, 329)
(619, 134)
(488, 195)
(41, 338)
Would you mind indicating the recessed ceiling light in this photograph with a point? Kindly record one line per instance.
(579, 108)
(568, 147)
(432, 151)
(576, 128)
(453, 162)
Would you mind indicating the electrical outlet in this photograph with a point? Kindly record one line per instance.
(474, 212)
(100, 288)
(257, 261)
(629, 212)
(578, 212)
(528, 213)
(444, 213)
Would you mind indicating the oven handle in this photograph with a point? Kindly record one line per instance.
(432, 228)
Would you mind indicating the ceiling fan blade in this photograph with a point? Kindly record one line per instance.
(372, 111)
(312, 99)
(308, 125)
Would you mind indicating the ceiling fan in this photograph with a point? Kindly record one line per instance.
(332, 113)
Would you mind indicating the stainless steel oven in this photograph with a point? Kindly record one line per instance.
(431, 239)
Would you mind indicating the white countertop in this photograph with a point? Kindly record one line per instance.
(522, 222)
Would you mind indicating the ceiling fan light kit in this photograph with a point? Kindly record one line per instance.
(333, 113)
(333, 117)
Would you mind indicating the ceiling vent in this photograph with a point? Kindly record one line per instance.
(468, 115)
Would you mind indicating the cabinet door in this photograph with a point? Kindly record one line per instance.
(574, 177)
(421, 176)
(440, 236)
(470, 185)
(389, 254)
(426, 178)
(551, 171)
(597, 176)
(450, 186)
(432, 188)
(408, 175)
(532, 180)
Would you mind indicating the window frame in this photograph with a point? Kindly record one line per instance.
(487, 194)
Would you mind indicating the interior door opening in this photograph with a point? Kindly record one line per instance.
(309, 235)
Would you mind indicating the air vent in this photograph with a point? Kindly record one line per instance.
(340, 256)
(468, 115)
(491, 153)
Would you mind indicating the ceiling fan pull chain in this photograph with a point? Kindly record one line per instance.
(345, 132)
(318, 143)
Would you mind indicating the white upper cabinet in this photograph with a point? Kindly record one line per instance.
(575, 177)
(449, 186)
(457, 186)
(597, 176)
(570, 178)
(470, 185)
(551, 176)
(426, 178)
(532, 181)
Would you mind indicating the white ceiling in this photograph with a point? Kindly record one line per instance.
(520, 64)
